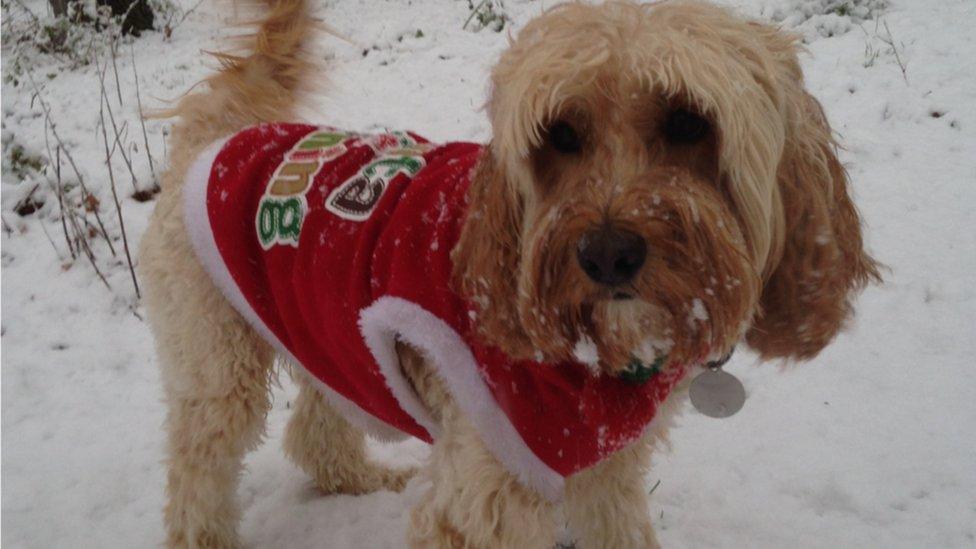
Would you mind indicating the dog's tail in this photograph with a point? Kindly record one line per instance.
(260, 84)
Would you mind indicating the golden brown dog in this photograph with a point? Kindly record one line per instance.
(655, 173)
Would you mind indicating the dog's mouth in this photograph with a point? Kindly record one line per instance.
(613, 294)
(624, 328)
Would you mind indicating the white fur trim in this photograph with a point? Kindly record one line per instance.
(391, 317)
(197, 222)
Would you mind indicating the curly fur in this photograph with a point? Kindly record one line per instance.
(754, 223)
(751, 233)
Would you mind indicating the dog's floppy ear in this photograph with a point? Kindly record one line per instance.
(486, 258)
(822, 262)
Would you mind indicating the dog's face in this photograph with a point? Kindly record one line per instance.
(632, 193)
(628, 239)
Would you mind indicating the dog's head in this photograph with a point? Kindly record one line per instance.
(658, 182)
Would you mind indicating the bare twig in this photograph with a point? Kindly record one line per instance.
(59, 189)
(165, 145)
(115, 67)
(124, 17)
(57, 252)
(81, 242)
(34, 19)
(871, 54)
(26, 198)
(94, 264)
(122, 132)
(169, 27)
(142, 119)
(91, 47)
(60, 193)
(473, 13)
(890, 40)
(86, 195)
(76, 230)
(186, 14)
(92, 229)
(117, 133)
(115, 196)
(79, 224)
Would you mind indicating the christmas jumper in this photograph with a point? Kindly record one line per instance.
(334, 245)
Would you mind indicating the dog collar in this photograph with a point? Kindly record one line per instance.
(720, 362)
(715, 392)
(639, 373)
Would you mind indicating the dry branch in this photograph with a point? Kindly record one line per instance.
(118, 133)
(60, 193)
(142, 121)
(103, 101)
(88, 197)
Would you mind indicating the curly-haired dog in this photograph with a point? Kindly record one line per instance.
(658, 184)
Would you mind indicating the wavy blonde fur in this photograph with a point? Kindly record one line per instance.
(750, 231)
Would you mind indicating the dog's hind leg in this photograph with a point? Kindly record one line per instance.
(209, 433)
(216, 374)
(215, 369)
(332, 451)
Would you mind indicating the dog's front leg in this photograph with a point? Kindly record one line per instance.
(475, 502)
(607, 505)
(332, 451)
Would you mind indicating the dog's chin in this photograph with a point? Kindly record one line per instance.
(625, 327)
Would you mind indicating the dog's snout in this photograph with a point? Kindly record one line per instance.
(611, 256)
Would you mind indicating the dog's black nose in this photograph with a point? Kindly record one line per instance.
(611, 256)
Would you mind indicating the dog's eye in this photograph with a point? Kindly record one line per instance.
(563, 137)
(684, 127)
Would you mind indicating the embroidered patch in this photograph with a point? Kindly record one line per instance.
(283, 206)
(396, 153)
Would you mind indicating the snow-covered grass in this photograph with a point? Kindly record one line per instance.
(871, 444)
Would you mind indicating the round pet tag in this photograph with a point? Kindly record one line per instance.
(717, 393)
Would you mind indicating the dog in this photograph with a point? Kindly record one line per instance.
(658, 187)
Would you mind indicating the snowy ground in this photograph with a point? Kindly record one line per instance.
(873, 444)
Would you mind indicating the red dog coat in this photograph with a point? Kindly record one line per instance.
(334, 244)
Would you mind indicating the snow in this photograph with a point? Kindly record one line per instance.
(586, 353)
(654, 347)
(871, 444)
(698, 313)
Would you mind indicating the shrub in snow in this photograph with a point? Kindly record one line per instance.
(822, 17)
(74, 33)
(19, 164)
(486, 14)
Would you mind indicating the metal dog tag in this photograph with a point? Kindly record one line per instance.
(717, 393)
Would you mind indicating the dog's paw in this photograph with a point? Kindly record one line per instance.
(430, 529)
(646, 538)
(396, 479)
(384, 478)
(365, 479)
(641, 537)
(202, 539)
